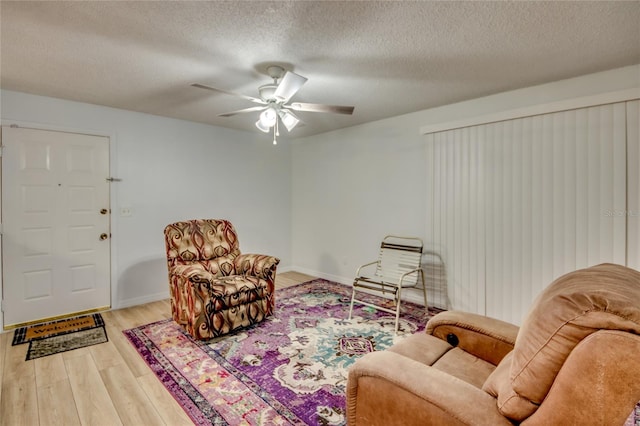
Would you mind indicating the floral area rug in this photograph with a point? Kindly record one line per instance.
(289, 369)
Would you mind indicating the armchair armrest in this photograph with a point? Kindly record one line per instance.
(487, 338)
(387, 388)
(257, 265)
(191, 270)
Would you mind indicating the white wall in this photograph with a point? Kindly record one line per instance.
(173, 170)
(353, 186)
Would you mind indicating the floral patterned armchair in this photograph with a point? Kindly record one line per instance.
(214, 288)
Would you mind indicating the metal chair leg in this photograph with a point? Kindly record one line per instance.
(424, 291)
(353, 296)
(398, 298)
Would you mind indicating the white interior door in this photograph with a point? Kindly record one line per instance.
(55, 218)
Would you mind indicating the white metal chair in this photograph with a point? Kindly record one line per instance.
(398, 266)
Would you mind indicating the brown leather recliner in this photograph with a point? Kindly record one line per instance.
(574, 361)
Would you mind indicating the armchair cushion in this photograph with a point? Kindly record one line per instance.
(225, 292)
(429, 350)
(383, 384)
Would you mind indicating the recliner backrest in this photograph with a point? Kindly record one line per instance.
(210, 242)
(576, 305)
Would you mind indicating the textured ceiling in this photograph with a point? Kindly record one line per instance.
(384, 58)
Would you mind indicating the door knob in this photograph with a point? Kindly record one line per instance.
(104, 211)
(103, 236)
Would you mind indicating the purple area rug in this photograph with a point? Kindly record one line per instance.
(289, 369)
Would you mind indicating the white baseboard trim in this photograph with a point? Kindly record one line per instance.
(335, 278)
(410, 295)
(141, 300)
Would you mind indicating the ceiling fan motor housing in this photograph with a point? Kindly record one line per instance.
(267, 92)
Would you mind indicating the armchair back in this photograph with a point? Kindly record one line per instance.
(211, 243)
(565, 314)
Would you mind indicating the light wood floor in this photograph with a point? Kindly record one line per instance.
(106, 384)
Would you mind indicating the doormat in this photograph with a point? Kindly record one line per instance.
(62, 335)
(56, 328)
(66, 342)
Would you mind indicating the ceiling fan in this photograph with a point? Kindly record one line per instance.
(273, 102)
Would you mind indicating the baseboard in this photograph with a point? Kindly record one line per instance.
(334, 278)
(410, 295)
(141, 300)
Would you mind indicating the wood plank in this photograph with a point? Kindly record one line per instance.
(287, 279)
(92, 399)
(56, 404)
(106, 355)
(169, 410)
(161, 309)
(127, 351)
(76, 353)
(49, 370)
(19, 404)
(131, 402)
(132, 317)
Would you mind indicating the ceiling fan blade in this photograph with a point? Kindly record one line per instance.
(290, 84)
(240, 111)
(213, 89)
(336, 109)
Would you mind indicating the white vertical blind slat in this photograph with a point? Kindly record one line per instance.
(582, 193)
(620, 175)
(606, 180)
(633, 192)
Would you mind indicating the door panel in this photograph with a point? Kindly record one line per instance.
(53, 188)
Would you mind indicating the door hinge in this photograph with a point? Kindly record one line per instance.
(112, 179)
(0, 229)
(1, 148)
(2, 305)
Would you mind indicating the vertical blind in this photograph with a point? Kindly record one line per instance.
(517, 203)
(456, 217)
(633, 184)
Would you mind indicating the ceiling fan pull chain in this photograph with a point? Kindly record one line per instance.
(275, 132)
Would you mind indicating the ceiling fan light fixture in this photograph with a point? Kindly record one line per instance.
(289, 120)
(261, 127)
(268, 117)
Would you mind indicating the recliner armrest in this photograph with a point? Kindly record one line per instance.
(257, 265)
(487, 338)
(191, 270)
